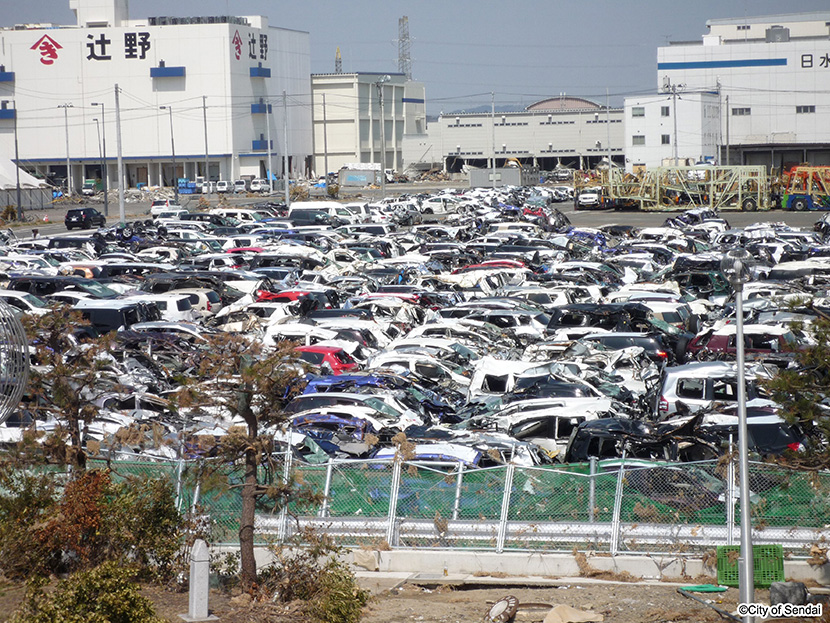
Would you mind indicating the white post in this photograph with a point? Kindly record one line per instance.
(746, 571)
(615, 520)
(393, 500)
(207, 160)
(199, 584)
(505, 507)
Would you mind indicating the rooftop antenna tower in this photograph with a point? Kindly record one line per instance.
(338, 62)
(404, 42)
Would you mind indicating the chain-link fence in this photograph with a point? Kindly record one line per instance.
(30, 198)
(617, 506)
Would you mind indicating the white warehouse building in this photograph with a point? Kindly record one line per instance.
(771, 77)
(347, 118)
(191, 89)
(567, 131)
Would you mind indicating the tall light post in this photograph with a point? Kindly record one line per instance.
(66, 107)
(104, 172)
(379, 84)
(16, 161)
(100, 153)
(169, 109)
(735, 265)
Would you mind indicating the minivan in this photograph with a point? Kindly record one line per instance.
(260, 186)
(223, 186)
(239, 186)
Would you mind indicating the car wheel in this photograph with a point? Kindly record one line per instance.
(749, 205)
(799, 204)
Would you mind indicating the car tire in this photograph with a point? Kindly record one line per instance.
(749, 205)
(799, 204)
(680, 350)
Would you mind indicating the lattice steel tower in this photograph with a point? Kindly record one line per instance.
(404, 59)
(338, 62)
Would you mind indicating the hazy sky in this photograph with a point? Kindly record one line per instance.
(464, 49)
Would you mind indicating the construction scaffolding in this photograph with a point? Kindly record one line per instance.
(682, 188)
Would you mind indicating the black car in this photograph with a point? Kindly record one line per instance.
(84, 218)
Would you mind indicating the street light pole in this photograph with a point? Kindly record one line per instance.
(66, 129)
(169, 109)
(379, 85)
(100, 153)
(104, 172)
(17, 167)
(735, 265)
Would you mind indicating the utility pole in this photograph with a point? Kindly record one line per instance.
(17, 167)
(727, 131)
(268, 173)
(325, 148)
(66, 107)
(674, 118)
(101, 156)
(207, 162)
(382, 139)
(285, 149)
(493, 132)
(104, 171)
(169, 109)
(122, 217)
(608, 136)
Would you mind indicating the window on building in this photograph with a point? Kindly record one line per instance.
(665, 139)
(740, 112)
(801, 110)
(664, 111)
(638, 139)
(638, 111)
(743, 27)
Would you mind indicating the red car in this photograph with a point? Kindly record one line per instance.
(330, 359)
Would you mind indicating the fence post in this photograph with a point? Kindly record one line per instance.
(592, 489)
(283, 518)
(505, 508)
(730, 497)
(324, 509)
(394, 489)
(456, 507)
(616, 524)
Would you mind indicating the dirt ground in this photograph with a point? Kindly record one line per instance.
(402, 602)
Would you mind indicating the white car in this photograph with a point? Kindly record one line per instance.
(163, 205)
(239, 186)
(25, 302)
(260, 186)
(223, 186)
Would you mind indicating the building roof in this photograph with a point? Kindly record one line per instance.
(784, 18)
(564, 102)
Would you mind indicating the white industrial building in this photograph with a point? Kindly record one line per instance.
(347, 118)
(567, 131)
(771, 78)
(217, 80)
(671, 129)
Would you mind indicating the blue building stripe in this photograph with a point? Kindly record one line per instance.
(412, 100)
(747, 62)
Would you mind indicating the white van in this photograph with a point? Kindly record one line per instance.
(243, 215)
(260, 185)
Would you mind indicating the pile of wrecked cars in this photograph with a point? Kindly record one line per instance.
(494, 332)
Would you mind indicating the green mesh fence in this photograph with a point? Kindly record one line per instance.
(432, 501)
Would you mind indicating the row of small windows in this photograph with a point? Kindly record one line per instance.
(746, 111)
(640, 111)
(640, 139)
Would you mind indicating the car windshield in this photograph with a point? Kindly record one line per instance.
(97, 289)
(34, 301)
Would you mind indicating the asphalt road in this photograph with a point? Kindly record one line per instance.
(583, 218)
